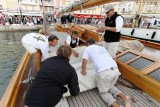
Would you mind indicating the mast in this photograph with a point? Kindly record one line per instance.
(139, 11)
(20, 9)
(43, 14)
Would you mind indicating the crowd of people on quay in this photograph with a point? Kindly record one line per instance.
(70, 19)
(25, 20)
(93, 21)
(38, 20)
(64, 19)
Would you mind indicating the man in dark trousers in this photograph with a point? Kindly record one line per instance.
(48, 87)
(70, 19)
(112, 28)
(63, 21)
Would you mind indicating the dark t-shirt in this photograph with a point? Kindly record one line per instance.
(48, 87)
(70, 18)
(63, 20)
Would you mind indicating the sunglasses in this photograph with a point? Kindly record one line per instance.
(108, 11)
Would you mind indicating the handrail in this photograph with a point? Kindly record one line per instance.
(11, 94)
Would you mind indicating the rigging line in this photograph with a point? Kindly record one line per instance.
(101, 11)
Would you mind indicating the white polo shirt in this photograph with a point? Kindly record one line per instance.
(99, 57)
(38, 41)
(68, 41)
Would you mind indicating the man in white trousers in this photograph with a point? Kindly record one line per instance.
(107, 73)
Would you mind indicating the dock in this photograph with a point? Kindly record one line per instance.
(19, 27)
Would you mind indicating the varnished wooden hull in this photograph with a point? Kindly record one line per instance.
(16, 90)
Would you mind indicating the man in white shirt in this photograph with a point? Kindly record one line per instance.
(107, 73)
(73, 41)
(112, 28)
(151, 22)
(39, 45)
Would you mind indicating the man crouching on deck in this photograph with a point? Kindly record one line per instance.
(39, 45)
(107, 73)
(55, 72)
(73, 41)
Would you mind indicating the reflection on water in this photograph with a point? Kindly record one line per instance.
(11, 52)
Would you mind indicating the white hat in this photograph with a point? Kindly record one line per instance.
(108, 8)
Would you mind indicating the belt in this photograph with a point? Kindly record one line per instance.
(112, 68)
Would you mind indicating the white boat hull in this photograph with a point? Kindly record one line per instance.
(144, 34)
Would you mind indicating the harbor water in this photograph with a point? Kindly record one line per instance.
(11, 52)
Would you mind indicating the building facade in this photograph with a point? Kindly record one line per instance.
(34, 7)
(148, 7)
(30, 7)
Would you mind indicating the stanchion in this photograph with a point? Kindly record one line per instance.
(100, 36)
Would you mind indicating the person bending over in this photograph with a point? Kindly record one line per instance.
(73, 41)
(48, 87)
(107, 73)
(39, 45)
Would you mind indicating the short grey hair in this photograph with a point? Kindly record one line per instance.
(90, 41)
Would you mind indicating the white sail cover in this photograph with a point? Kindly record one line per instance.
(86, 82)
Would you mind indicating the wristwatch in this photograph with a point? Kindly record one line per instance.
(107, 28)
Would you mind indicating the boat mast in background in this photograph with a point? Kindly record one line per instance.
(139, 11)
(19, 9)
(43, 14)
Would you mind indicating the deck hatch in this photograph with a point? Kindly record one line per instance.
(140, 63)
(155, 74)
(127, 57)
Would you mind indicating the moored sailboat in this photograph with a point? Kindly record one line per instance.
(12, 96)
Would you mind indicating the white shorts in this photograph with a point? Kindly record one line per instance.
(29, 48)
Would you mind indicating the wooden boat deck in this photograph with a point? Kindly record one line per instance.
(92, 98)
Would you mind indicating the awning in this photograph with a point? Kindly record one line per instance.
(24, 13)
(88, 16)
